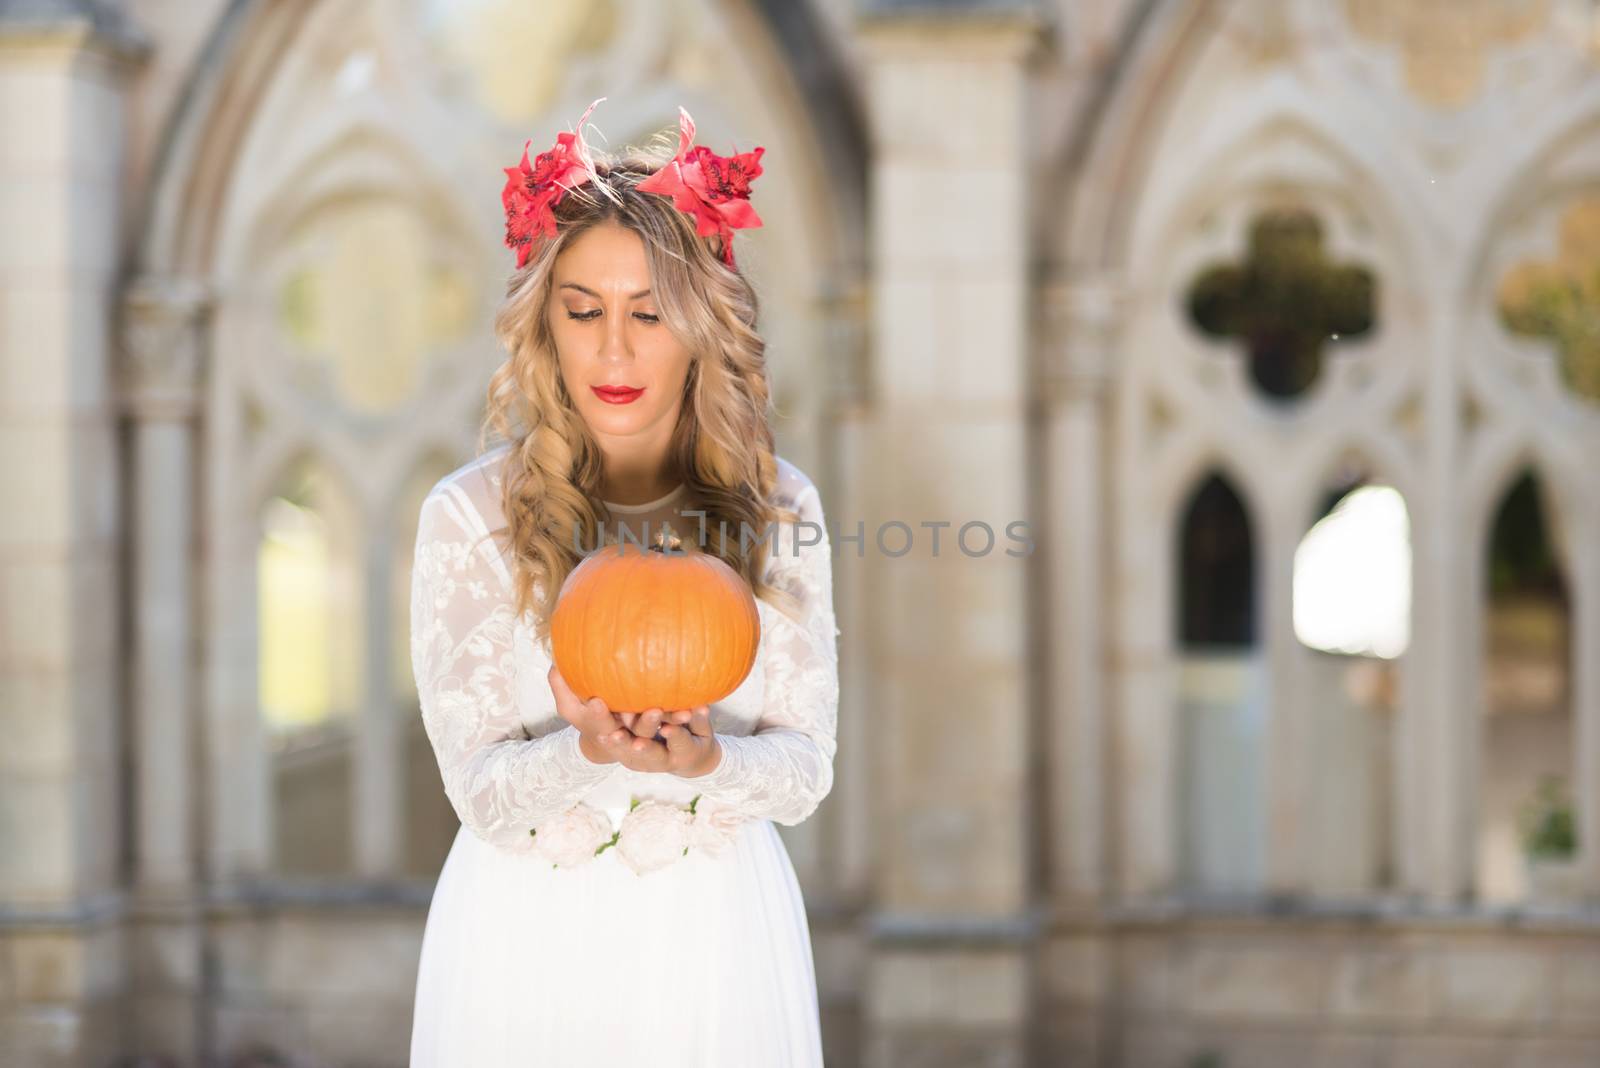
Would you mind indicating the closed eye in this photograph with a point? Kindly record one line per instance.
(586, 316)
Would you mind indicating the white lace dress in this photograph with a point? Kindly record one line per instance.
(689, 949)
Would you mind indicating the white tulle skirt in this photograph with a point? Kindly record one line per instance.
(705, 963)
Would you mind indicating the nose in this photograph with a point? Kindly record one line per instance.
(614, 347)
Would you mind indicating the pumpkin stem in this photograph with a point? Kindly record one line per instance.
(666, 541)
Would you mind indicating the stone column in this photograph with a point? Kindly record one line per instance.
(949, 978)
(1448, 606)
(1075, 373)
(846, 840)
(163, 355)
(1144, 671)
(378, 762)
(849, 460)
(63, 76)
(1585, 571)
(1286, 780)
(162, 343)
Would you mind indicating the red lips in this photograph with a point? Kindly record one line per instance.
(616, 394)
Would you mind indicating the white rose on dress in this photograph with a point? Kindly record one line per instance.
(653, 835)
(571, 838)
(714, 827)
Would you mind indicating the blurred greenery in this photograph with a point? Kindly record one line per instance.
(1549, 826)
(1284, 302)
(1559, 300)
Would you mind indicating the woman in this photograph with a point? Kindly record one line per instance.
(618, 894)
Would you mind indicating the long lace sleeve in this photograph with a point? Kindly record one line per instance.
(463, 621)
(784, 768)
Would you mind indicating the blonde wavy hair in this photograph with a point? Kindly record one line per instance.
(722, 447)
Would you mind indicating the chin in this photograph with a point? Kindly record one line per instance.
(620, 419)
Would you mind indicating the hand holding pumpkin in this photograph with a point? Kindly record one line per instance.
(687, 747)
(644, 630)
(648, 724)
(592, 718)
(680, 742)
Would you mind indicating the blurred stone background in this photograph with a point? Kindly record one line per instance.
(1277, 321)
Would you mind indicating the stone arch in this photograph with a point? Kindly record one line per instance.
(1383, 458)
(1564, 136)
(1361, 697)
(1173, 482)
(202, 138)
(1159, 41)
(1128, 197)
(1528, 227)
(1275, 150)
(1182, 531)
(1310, 157)
(1510, 753)
(1496, 471)
(355, 155)
(1106, 164)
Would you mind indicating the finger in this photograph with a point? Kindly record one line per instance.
(649, 723)
(636, 762)
(628, 718)
(700, 722)
(680, 741)
(589, 723)
(643, 754)
(623, 753)
(681, 715)
(599, 714)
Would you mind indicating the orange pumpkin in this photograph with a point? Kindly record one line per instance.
(642, 628)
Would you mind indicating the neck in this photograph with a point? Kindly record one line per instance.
(637, 487)
(637, 475)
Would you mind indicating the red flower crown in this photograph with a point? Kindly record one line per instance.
(713, 190)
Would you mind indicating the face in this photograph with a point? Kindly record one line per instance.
(608, 333)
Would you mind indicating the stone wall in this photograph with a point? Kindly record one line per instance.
(1324, 992)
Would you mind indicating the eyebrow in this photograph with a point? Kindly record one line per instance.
(592, 293)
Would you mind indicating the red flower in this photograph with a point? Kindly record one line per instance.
(714, 189)
(532, 191)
